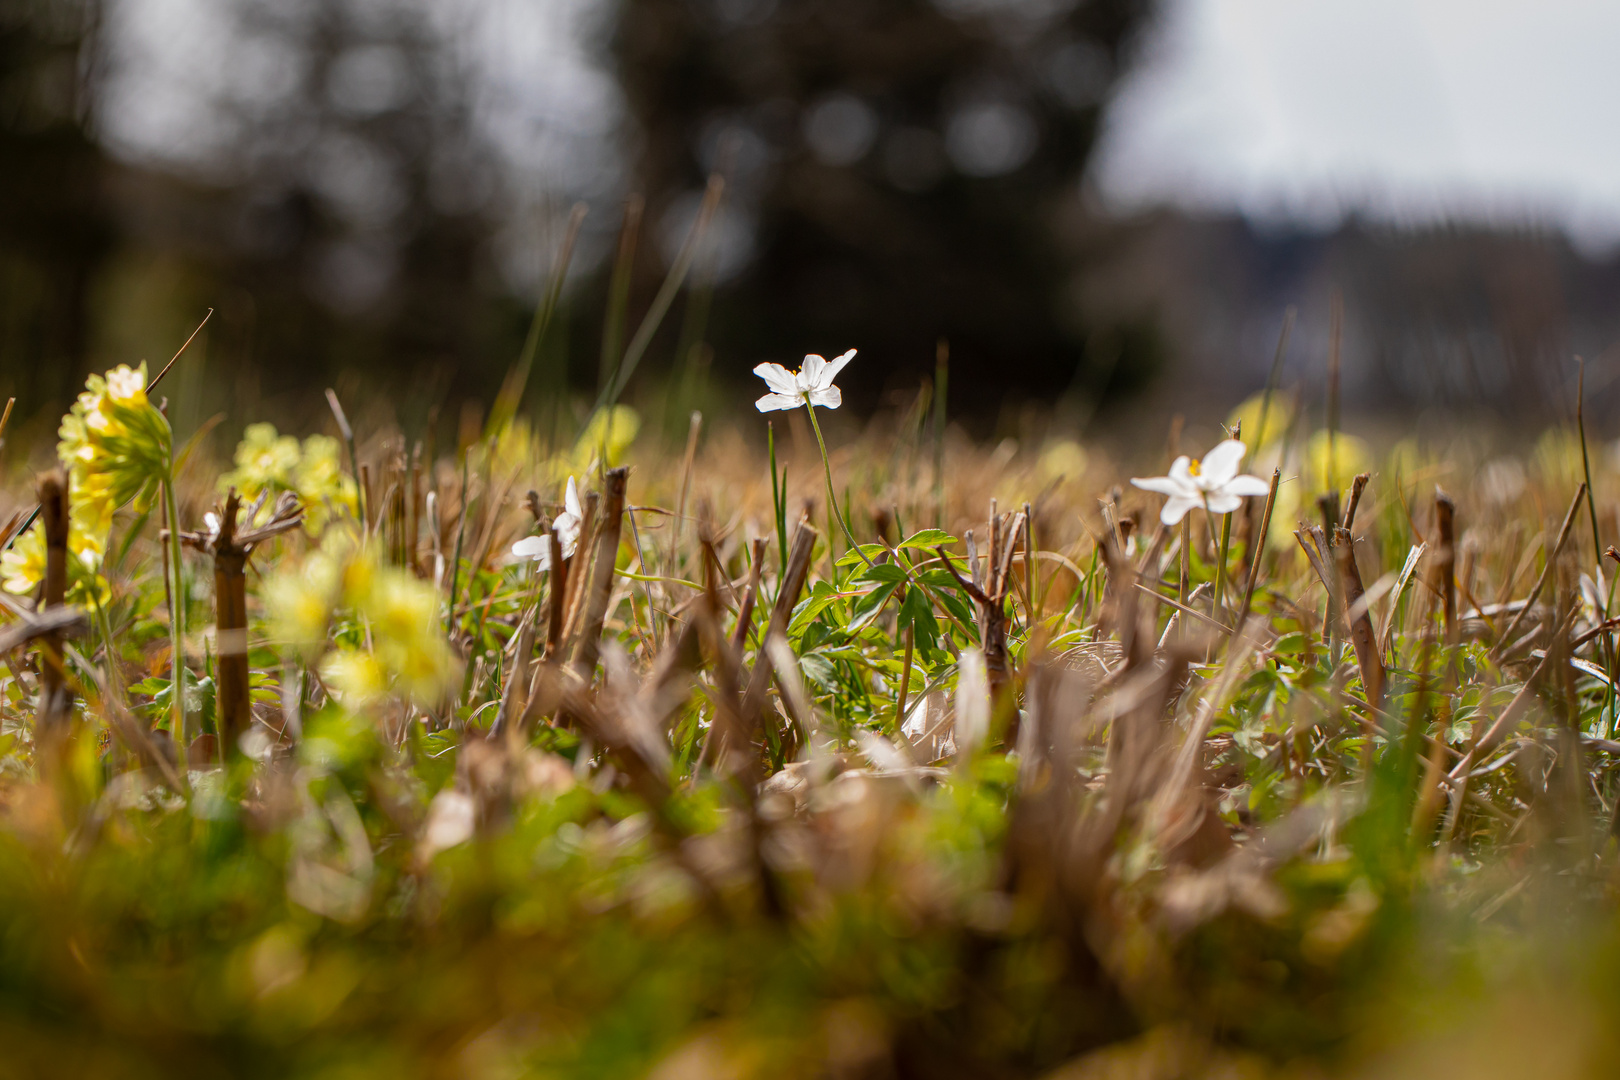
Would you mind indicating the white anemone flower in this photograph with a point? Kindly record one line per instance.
(565, 525)
(812, 383)
(1212, 483)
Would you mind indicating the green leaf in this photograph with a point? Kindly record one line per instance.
(928, 538)
(917, 613)
(886, 572)
(810, 609)
(871, 605)
(852, 557)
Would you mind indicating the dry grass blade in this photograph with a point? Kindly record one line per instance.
(1547, 571)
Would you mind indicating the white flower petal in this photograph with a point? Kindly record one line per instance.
(810, 373)
(567, 536)
(778, 378)
(571, 501)
(531, 547)
(1163, 485)
(1247, 485)
(834, 367)
(1176, 507)
(1181, 470)
(774, 402)
(1221, 502)
(1221, 464)
(829, 398)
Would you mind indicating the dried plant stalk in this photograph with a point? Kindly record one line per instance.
(230, 625)
(1362, 636)
(609, 525)
(1445, 563)
(55, 701)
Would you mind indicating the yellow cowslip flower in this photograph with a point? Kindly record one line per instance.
(268, 460)
(1064, 459)
(322, 485)
(1279, 418)
(402, 612)
(299, 599)
(603, 443)
(408, 655)
(114, 443)
(264, 459)
(355, 675)
(22, 567)
(1350, 456)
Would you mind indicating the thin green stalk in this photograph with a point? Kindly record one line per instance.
(942, 373)
(1271, 379)
(831, 500)
(177, 620)
(1597, 549)
(778, 497)
(1219, 604)
(455, 565)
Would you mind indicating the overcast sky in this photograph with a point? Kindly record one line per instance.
(1291, 111)
(1406, 110)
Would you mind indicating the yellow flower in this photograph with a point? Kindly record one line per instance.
(114, 443)
(1349, 454)
(263, 460)
(322, 485)
(402, 612)
(407, 656)
(1279, 418)
(22, 567)
(299, 598)
(603, 442)
(267, 460)
(356, 676)
(1063, 460)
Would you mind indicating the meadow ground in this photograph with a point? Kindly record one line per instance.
(615, 755)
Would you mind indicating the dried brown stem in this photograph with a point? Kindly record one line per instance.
(601, 584)
(1362, 635)
(55, 700)
(1445, 563)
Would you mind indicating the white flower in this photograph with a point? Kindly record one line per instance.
(565, 525)
(124, 385)
(812, 383)
(1213, 483)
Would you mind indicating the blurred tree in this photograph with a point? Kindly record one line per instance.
(55, 225)
(357, 211)
(897, 171)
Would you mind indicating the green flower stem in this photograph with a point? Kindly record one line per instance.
(177, 620)
(832, 501)
(1220, 570)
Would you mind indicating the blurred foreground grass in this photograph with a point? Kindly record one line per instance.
(707, 792)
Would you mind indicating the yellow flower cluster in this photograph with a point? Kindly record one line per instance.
(407, 654)
(22, 567)
(265, 459)
(115, 445)
(114, 442)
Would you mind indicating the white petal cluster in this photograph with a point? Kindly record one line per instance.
(1212, 483)
(813, 383)
(565, 525)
